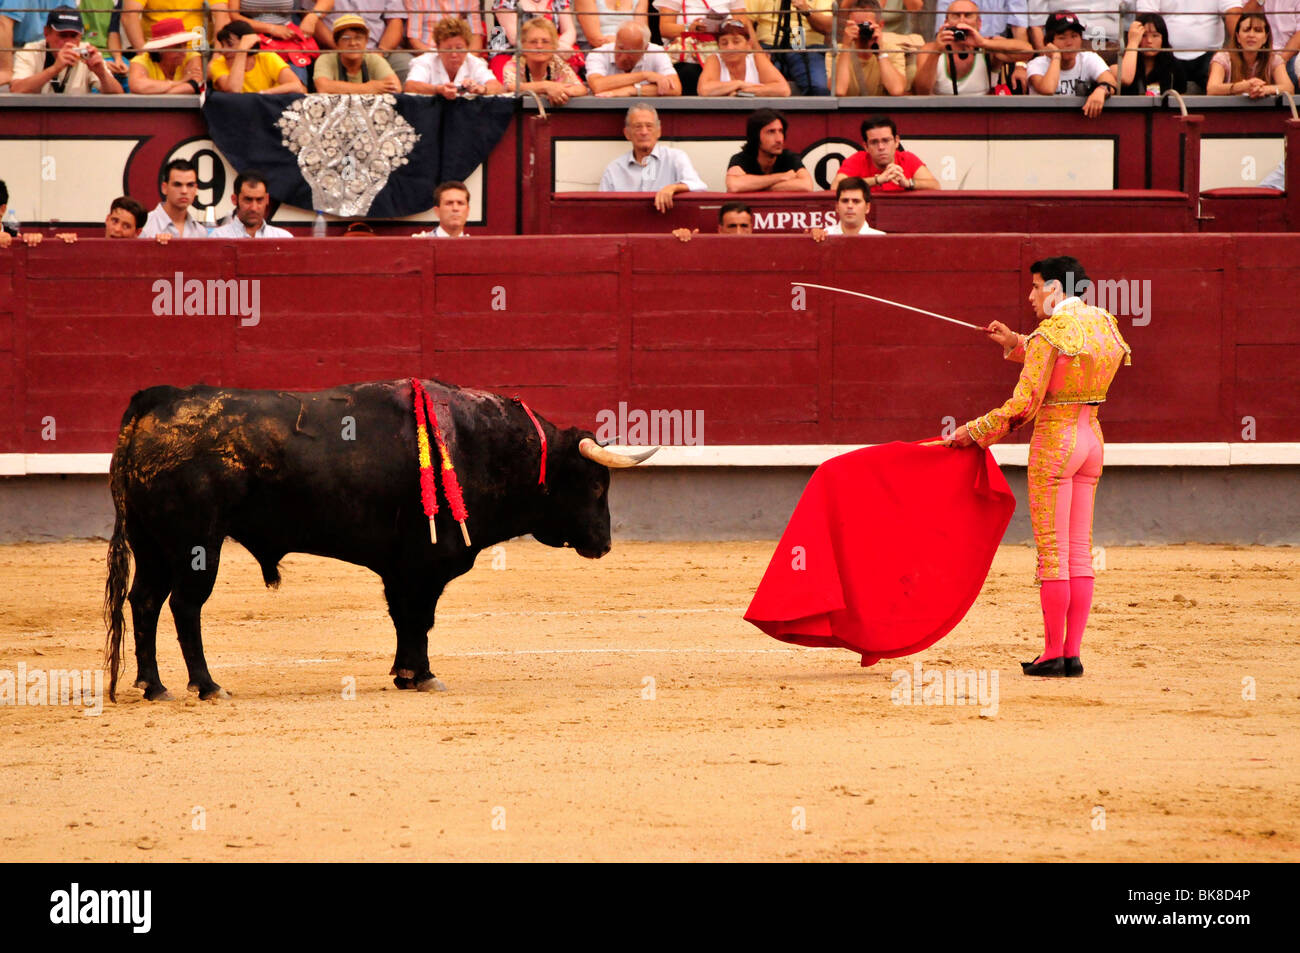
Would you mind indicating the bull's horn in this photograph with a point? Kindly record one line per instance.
(595, 452)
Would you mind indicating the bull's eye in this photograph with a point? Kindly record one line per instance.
(597, 490)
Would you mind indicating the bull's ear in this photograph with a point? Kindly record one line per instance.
(598, 454)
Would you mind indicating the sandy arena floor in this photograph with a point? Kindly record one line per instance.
(545, 746)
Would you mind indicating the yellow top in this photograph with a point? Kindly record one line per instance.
(262, 74)
(193, 18)
(155, 71)
(1070, 358)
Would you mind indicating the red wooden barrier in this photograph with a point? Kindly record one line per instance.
(580, 324)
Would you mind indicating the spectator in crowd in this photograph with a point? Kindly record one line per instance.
(237, 67)
(512, 15)
(765, 163)
(102, 22)
(276, 22)
(738, 67)
(423, 17)
(900, 15)
(452, 68)
(7, 232)
(126, 217)
(60, 63)
(544, 71)
(1195, 37)
(960, 60)
(690, 32)
(734, 218)
(1066, 69)
(251, 200)
(385, 25)
(630, 65)
(1100, 19)
(178, 187)
(1247, 65)
(599, 20)
(852, 203)
(650, 166)
(140, 16)
(1275, 179)
(797, 33)
(873, 62)
(884, 164)
(1284, 18)
(167, 64)
(21, 22)
(1005, 18)
(451, 199)
(350, 69)
(1149, 65)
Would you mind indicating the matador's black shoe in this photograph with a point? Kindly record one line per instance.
(1052, 668)
(1073, 667)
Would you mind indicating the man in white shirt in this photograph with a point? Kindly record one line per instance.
(179, 186)
(650, 167)
(451, 199)
(852, 203)
(632, 66)
(249, 221)
(1069, 70)
(1195, 37)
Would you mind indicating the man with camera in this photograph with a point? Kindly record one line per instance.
(960, 61)
(61, 62)
(873, 63)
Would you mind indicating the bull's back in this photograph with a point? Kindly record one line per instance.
(297, 470)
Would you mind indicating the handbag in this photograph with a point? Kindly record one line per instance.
(298, 50)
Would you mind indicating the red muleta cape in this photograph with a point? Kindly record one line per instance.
(886, 551)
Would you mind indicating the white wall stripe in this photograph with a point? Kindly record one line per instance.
(798, 455)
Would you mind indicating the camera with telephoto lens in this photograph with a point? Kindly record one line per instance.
(959, 34)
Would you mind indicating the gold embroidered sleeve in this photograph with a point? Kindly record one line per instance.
(1040, 358)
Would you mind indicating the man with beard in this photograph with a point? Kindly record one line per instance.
(251, 201)
(765, 163)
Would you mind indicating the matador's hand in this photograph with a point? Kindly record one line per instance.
(1003, 335)
(959, 438)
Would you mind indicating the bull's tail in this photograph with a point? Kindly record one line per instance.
(119, 549)
(119, 564)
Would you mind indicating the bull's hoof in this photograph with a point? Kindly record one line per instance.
(216, 692)
(404, 683)
(431, 684)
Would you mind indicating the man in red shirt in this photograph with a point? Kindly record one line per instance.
(885, 166)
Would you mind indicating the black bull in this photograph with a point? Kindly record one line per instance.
(334, 473)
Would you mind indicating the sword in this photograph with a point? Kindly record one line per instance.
(896, 304)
